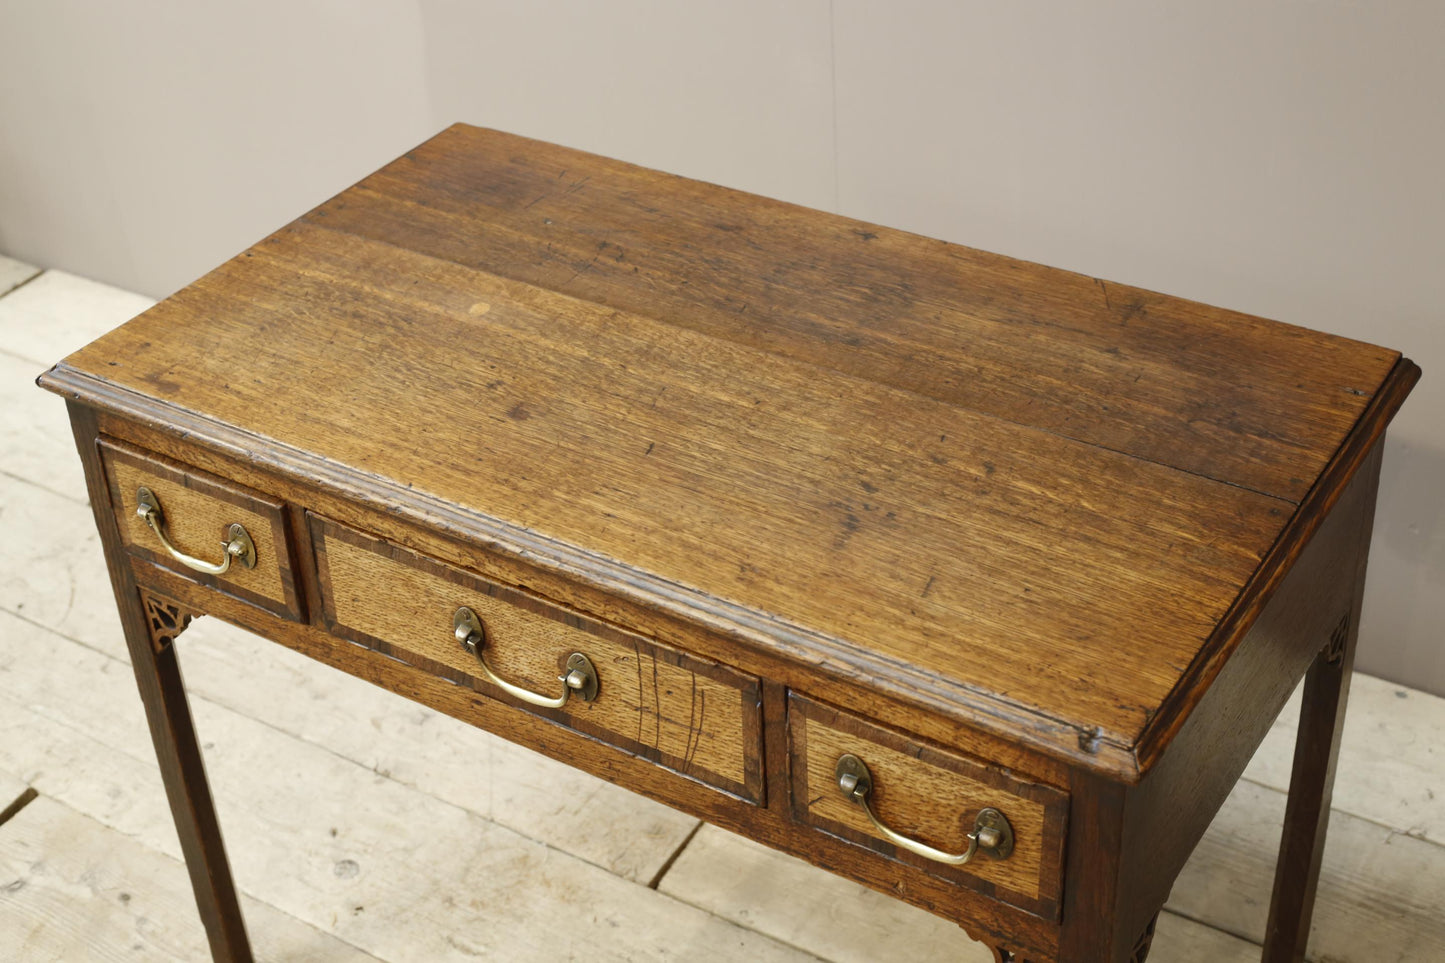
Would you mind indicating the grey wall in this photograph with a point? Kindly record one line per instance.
(1280, 157)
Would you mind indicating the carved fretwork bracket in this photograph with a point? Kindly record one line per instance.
(165, 619)
(1335, 651)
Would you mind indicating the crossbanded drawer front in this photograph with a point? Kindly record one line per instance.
(194, 519)
(694, 717)
(929, 795)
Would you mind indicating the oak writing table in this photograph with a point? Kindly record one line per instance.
(973, 580)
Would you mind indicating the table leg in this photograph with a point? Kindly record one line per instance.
(151, 625)
(1311, 785)
(158, 675)
(1316, 750)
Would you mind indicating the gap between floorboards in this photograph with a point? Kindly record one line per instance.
(18, 803)
(38, 272)
(83, 502)
(656, 880)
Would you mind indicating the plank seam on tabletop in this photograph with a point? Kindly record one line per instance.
(73, 375)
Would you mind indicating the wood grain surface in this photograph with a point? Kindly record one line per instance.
(1013, 497)
(700, 719)
(1211, 391)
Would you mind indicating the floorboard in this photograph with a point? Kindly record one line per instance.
(841, 921)
(1392, 757)
(56, 313)
(389, 869)
(14, 273)
(52, 569)
(1381, 894)
(72, 889)
(35, 438)
(15, 795)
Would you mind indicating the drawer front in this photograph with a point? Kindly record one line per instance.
(196, 512)
(929, 795)
(694, 717)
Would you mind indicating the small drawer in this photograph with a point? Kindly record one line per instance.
(196, 516)
(931, 796)
(694, 717)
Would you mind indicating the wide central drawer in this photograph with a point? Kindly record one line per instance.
(698, 718)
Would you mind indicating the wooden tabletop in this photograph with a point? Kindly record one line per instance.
(1044, 504)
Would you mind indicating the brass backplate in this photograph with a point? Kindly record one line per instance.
(990, 818)
(577, 662)
(469, 630)
(236, 534)
(852, 776)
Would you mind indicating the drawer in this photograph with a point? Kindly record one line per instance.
(195, 514)
(694, 717)
(929, 795)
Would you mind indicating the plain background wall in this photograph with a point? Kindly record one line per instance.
(1280, 157)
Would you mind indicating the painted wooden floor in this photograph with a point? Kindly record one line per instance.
(363, 827)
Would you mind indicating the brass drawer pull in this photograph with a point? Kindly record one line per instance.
(580, 678)
(237, 543)
(991, 834)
